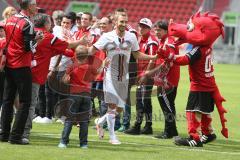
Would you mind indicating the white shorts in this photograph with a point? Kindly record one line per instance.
(115, 92)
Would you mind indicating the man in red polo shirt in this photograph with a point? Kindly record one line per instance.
(50, 46)
(22, 42)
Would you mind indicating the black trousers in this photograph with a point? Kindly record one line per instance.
(144, 105)
(19, 79)
(2, 77)
(169, 116)
(41, 111)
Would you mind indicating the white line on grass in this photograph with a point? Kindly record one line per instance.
(139, 144)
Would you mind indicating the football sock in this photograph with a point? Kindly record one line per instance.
(111, 123)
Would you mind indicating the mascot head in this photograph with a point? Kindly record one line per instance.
(201, 29)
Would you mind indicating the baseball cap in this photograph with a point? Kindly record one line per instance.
(146, 22)
(79, 14)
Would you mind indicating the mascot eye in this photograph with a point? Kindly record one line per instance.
(190, 27)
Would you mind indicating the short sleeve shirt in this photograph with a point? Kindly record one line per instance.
(118, 50)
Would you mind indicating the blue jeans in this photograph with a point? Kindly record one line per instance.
(80, 105)
(103, 107)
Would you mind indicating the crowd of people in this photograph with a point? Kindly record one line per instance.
(54, 67)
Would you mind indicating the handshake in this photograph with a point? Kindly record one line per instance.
(165, 53)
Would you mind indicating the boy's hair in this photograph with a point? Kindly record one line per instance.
(163, 24)
(81, 52)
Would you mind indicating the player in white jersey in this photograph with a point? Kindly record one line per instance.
(118, 45)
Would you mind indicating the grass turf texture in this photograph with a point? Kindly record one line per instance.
(45, 138)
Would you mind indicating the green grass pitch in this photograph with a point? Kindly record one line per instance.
(45, 138)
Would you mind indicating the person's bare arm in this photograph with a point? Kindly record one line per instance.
(83, 41)
(142, 56)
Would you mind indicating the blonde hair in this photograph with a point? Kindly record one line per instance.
(7, 13)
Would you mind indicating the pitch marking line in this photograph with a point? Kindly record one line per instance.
(139, 144)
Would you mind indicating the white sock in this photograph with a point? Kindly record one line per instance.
(111, 124)
(102, 119)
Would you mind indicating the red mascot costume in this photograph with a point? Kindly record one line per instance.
(201, 31)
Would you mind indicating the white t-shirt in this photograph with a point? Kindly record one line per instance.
(65, 61)
(118, 51)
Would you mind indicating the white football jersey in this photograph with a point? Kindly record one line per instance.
(118, 51)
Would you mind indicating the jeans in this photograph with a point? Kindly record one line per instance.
(34, 101)
(80, 105)
(127, 111)
(144, 105)
(17, 79)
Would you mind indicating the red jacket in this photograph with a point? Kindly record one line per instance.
(174, 72)
(148, 45)
(50, 46)
(22, 44)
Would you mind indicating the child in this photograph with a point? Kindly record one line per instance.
(79, 77)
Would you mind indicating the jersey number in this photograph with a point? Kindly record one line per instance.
(208, 63)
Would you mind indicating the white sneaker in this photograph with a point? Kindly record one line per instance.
(37, 119)
(61, 145)
(100, 130)
(114, 141)
(45, 120)
(61, 120)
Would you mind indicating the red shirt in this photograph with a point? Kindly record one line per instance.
(81, 76)
(174, 72)
(47, 48)
(21, 45)
(2, 45)
(98, 59)
(201, 69)
(83, 31)
(148, 45)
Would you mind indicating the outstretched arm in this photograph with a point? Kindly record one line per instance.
(142, 56)
(188, 58)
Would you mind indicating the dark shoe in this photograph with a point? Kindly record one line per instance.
(147, 130)
(135, 130)
(187, 142)
(164, 136)
(3, 139)
(20, 142)
(208, 138)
